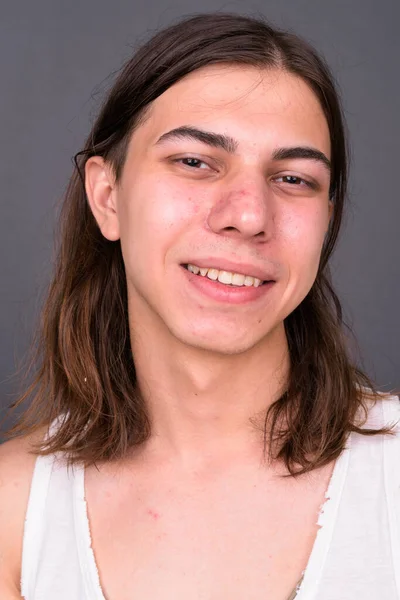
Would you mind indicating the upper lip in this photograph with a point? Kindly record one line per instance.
(223, 264)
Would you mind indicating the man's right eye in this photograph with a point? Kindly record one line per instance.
(191, 161)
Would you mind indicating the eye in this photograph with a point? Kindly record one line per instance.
(191, 162)
(295, 181)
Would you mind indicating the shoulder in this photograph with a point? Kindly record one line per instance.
(380, 411)
(16, 468)
(383, 413)
(391, 410)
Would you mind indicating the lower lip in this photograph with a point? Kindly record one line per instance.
(227, 293)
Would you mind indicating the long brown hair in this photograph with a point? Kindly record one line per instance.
(84, 368)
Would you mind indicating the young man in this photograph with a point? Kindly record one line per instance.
(219, 202)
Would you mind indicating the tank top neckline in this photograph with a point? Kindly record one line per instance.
(306, 588)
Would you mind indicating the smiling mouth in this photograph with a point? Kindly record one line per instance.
(225, 277)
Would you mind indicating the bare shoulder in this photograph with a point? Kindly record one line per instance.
(16, 469)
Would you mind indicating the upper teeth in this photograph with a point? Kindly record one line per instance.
(225, 276)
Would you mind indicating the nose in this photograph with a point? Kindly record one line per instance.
(242, 208)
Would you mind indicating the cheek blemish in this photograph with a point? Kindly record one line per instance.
(155, 515)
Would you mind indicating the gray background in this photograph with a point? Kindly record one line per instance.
(56, 64)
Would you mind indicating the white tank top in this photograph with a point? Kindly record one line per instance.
(356, 554)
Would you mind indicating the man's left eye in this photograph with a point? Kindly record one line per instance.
(293, 180)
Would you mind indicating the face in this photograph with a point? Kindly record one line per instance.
(245, 203)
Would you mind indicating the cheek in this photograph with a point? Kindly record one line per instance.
(165, 204)
(302, 233)
(153, 214)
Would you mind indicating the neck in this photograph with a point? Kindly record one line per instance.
(203, 405)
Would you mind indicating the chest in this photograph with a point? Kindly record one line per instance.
(240, 537)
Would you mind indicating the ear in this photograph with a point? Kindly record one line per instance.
(101, 193)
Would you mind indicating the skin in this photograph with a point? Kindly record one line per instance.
(206, 367)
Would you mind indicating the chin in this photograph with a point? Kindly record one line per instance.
(229, 342)
(222, 347)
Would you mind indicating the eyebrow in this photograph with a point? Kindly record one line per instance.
(230, 145)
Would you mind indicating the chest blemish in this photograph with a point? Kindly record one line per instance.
(154, 514)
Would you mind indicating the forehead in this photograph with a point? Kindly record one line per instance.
(256, 106)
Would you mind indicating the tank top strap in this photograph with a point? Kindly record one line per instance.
(57, 558)
(35, 517)
(35, 521)
(391, 446)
